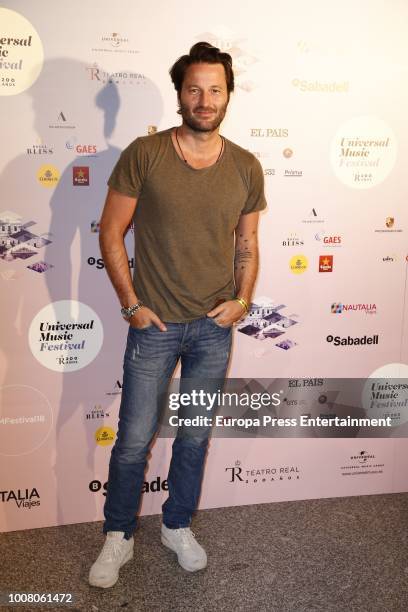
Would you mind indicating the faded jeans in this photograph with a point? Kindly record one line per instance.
(151, 356)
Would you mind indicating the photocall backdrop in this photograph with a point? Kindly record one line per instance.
(321, 98)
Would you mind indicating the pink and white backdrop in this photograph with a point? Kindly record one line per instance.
(321, 98)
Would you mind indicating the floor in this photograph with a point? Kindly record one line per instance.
(327, 555)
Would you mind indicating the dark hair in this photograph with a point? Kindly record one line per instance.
(204, 53)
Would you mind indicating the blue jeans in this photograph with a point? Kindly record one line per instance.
(150, 359)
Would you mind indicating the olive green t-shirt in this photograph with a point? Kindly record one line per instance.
(184, 223)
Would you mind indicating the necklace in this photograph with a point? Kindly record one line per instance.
(182, 154)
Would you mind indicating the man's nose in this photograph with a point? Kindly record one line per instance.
(205, 99)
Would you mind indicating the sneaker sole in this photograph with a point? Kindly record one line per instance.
(107, 585)
(168, 544)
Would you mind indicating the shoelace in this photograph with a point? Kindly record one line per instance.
(187, 536)
(111, 550)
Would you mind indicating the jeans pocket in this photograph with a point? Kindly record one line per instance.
(218, 325)
(139, 329)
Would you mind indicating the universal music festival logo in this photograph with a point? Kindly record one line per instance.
(21, 53)
(65, 335)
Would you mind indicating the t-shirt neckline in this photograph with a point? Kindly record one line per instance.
(187, 165)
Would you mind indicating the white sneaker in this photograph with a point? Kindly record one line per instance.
(115, 553)
(191, 556)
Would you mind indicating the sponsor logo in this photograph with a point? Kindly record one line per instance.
(292, 173)
(313, 217)
(325, 263)
(95, 73)
(390, 258)
(100, 265)
(328, 241)
(349, 341)
(269, 132)
(40, 149)
(24, 499)
(298, 264)
(152, 486)
(389, 226)
(305, 382)
(104, 436)
(21, 53)
(362, 463)
(80, 176)
(22, 420)
(388, 398)
(265, 322)
(239, 474)
(96, 413)
(62, 122)
(287, 153)
(117, 388)
(320, 86)
(151, 129)
(363, 152)
(95, 227)
(17, 242)
(292, 241)
(65, 336)
(339, 308)
(48, 176)
(113, 43)
(86, 150)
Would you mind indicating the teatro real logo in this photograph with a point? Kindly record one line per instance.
(239, 474)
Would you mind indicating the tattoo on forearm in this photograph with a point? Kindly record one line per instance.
(242, 257)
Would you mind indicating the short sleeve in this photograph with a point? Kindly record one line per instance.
(130, 171)
(256, 190)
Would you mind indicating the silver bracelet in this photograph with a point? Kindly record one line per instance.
(127, 313)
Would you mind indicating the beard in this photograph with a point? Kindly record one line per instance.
(202, 125)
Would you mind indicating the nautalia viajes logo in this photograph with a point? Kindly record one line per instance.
(23, 498)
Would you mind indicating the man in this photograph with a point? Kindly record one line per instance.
(190, 192)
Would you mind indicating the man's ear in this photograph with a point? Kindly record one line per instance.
(179, 104)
